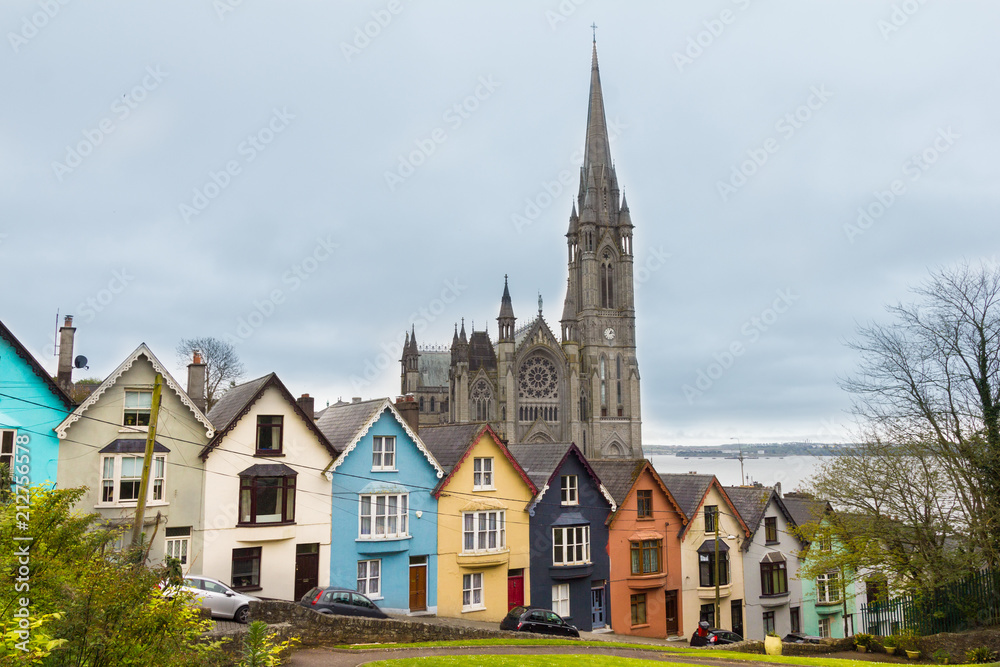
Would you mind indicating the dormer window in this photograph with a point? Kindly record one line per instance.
(269, 435)
(138, 406)
(384, 452)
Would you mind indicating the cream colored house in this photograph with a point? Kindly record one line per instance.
(102, 446)
(710, 512)
(267, 499)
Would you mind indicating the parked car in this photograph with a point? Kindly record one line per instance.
(536, 619)
(717, 637)
(799, 638)
(332, 600)
(219, 598)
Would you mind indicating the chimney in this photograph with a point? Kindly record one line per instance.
(409, 410)
(196, 381)
(355, 399)
(777, 489)
(64, 375)
(308, 405)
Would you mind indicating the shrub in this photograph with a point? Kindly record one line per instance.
(941, 656)
(259, 649)
(981, 655)
(863, 639)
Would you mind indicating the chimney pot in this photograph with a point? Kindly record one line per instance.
(196, 357)
(68, 322)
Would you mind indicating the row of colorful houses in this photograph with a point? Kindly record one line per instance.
(269, 494)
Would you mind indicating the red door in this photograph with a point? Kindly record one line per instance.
(515, 588)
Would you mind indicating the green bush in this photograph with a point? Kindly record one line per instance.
(981, 655)
(863, 639)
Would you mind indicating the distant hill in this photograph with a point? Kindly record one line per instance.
(751, 450)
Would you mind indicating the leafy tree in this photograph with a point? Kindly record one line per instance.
(920, 498)
(223, 367)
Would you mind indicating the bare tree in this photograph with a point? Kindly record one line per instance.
(223, 367)
(927, 403)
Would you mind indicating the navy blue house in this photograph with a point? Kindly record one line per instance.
(569, 538)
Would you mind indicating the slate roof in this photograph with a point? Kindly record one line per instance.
(434, 367)
(618, 475)
(340, 422)
(805, 510)
(750, 502)
(21, 351)
(481, 353)
(540, 460)
(236, 403)
(687, 490)
(448, 443)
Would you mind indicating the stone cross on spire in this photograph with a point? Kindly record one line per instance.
(593, 27)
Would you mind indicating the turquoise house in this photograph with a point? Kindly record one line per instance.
(384, 523)
(825, 611)
(31, 405)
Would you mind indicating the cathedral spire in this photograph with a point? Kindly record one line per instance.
(506, 319)
(596, 152)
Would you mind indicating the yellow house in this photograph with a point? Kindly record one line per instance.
(483, 550)
(711, 513)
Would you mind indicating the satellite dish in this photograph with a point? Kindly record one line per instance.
(80, 362)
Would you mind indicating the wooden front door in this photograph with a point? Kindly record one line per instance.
(673, 624)
(306, 568)
(418, 583)
(515, 588)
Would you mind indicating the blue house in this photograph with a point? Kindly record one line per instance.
(31, 405)
(570, 568)
(384, 539)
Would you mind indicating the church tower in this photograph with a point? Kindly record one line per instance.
(598, 321)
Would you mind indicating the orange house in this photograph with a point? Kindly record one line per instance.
(644, 548)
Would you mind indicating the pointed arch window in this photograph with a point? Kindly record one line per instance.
(432, 404)
(606, 276)
(482, 400)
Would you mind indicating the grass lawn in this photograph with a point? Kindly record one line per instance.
(519, 661)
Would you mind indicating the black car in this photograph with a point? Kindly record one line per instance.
(340, 601)
(536, 619)
(718, 637)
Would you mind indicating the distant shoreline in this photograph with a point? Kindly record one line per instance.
(749, 451)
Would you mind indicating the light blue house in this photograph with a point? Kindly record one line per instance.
(31, 405)
(384, 525)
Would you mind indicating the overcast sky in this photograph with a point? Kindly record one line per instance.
(311, 178)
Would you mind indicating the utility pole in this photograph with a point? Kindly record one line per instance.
(718, 602)
(147, 461)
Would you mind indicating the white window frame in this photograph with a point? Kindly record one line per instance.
(825, 627)
(370, 578)
(383, 516)
(571, 545)
(560, 599)
(482, 474)
(8, 450)
(569, 486)
(383, 453)
(112, 464)
(138, 409)
(484, 531)
(827, 583)
(472, 592)
(178, 547)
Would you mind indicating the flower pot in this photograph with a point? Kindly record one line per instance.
(772, 645)
(861, 649)
(891, 650)
(912, 655)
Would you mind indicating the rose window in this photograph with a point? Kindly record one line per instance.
(537, 379)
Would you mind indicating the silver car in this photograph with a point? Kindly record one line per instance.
(222, 600)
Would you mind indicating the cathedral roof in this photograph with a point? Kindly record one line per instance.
(481, 353)
(434, 367)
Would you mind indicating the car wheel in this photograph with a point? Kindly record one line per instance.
(242, 615)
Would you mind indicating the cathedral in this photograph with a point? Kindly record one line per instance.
(531, 386)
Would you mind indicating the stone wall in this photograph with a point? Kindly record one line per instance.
(955, 644)
(312, 628)
(787, 648)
